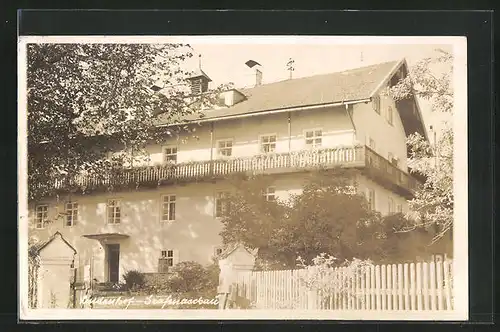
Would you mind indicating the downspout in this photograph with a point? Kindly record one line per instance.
(211, 148)
(354, 127)
(289, 131)
(289, 162)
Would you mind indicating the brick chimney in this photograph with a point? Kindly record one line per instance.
(256, 67)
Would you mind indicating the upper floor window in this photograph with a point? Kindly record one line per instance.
(314, 138)
(170, 154)
(393, 159)
(376, 104)
(114, 211)
(390, 115)
(269, 194)
(221, 204)
(218, 250)
(371, 144)
(168, 208)
(267, 143)
(371, 199)
(41, 217)
(225, 148)
(71, 213)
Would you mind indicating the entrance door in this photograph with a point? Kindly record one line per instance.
(113, 262)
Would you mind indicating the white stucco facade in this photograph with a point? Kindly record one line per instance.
(194, 234)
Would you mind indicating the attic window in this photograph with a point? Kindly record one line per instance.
(376, 104)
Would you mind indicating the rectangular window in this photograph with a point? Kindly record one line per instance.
(225, 148)
(399, 208)
(269, 194)
(170, 155)
(221, 204)
(390, 115)
(371, 199)
(114, 212)
(217, 250)
(267, 143)
(168, 208)
(313, 138)
(168, 256)
(42, 214)
(71, 213)
(390, 207)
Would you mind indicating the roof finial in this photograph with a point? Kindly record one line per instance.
(290, 66)
(199, 61)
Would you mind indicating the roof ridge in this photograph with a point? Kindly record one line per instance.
(320, 75)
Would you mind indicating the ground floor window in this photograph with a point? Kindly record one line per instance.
(168, 257)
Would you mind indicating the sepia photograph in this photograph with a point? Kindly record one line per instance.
(243, 177)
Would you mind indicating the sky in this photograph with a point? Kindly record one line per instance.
(224, 62)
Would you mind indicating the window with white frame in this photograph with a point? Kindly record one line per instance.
(269, 194)
(218, 250)
(376, 104)
(267, 143)
(371, 199)
(71, 213)
(314, 138)
(168, 208)
(168, 256)
(114, 211)
(225, 148)
(372, 144)
(390, 207)
(221, 203)
(390, 115)
(170, 154)
(41, 216)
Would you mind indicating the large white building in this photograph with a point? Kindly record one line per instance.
(281, 128)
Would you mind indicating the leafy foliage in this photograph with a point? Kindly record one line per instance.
(328, 216)
(433, 203)
(323, 218)
(193, 278)
(134, 280)
(85, 100)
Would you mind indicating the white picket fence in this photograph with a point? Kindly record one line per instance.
(414, 286)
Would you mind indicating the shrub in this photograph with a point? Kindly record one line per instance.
(192, 277)
(134, 280)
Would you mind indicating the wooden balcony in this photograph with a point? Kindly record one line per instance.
(361, 157)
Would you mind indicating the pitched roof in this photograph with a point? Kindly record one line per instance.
(37, 247)
(230, 248)
(349, 85)
(354, 85)
(199, 73)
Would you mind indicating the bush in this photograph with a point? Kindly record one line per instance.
(192, 277)
(134, 280)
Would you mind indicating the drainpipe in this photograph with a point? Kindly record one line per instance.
(353, 126)
(289, 132)
(211, 148)
(289, 162)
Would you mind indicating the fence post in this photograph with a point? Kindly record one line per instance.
(226, 278)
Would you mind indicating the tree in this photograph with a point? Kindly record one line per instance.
(433, 203)
(85, 100)
(326, 217)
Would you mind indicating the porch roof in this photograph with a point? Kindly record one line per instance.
(106, 236)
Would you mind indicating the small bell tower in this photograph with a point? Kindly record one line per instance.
(199, 80)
